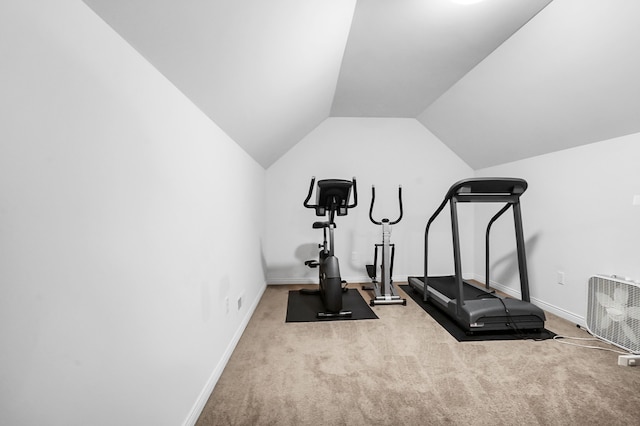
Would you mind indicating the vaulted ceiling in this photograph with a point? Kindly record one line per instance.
(495, 80)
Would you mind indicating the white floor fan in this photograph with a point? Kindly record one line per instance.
(613, 313)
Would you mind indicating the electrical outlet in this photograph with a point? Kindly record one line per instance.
(226, 304)
(240, 301)
(560, 278)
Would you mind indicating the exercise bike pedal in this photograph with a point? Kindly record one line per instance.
(312, 263)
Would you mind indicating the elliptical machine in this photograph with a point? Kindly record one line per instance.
(385, 292)
(332, 197)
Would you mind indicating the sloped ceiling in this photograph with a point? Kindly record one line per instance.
(263, 70)
(496, 80)
(569, 77)
(403, 54)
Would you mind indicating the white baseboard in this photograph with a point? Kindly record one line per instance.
(309, 280)
(314, 280)
(198, 406)
(287, 281)
(562, 313)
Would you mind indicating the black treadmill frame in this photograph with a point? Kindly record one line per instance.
(480, 190)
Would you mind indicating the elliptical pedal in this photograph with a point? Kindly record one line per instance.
(371, 271)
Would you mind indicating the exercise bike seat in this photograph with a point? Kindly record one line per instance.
(320, 225)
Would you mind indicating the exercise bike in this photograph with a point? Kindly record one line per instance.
(384, 291)
(332, 198)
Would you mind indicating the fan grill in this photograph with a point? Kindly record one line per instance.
(613, 311)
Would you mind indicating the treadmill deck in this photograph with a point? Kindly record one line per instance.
(481, 310)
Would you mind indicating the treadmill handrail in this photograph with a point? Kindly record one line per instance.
(487, 267)
(481, 189)
(426, 244)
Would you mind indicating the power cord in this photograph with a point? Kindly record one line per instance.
(518, 333)
(512, 323)
(591, 339)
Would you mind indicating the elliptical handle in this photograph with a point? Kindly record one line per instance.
(306, 200)
(400, 203)
(373, 200)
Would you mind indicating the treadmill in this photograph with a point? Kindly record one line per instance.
(473, 308)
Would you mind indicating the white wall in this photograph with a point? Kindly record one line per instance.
(579, 219)
(578, 213)
(126, 218)
(386, 152)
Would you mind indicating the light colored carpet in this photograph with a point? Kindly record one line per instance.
(404, 369)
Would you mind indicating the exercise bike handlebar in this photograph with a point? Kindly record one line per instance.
(348, 206)
(355, 194)
(306, 200)
(373, 199)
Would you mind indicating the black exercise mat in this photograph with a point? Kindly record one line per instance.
(304, 307)
(460, 335)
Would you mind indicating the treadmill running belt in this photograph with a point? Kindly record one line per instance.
(447, 286)
(461, 336)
